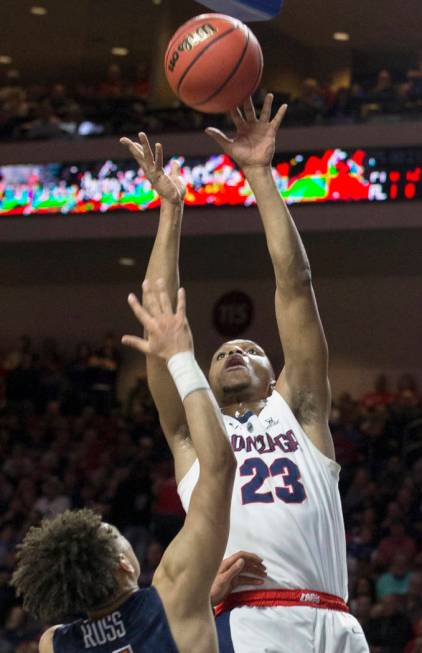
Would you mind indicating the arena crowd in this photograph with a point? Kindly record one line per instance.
(67, 442)
(120, 104)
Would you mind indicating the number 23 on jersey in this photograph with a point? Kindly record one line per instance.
(290, 490)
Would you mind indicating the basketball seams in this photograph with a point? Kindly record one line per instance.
(192, 24)
(199, 55)
(231, 74)
(240, 56)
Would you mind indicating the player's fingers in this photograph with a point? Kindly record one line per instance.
(249, 110)
(237, 117)
(158, 156)
(140, 312)
(136, 343)
(139, 149)
(234, 570)
(228, 562)
(261, 572)
(174, 168)
(164, 298)
(278, 118)
(134, 148)
(247, 555)
(148, 155)
(266, 108)
(181, 302)
(150, 299)
(218, 136)
(246, 580)
(252, 562)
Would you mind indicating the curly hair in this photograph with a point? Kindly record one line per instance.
(66, 566)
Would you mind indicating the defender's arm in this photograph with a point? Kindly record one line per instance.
(190, 564)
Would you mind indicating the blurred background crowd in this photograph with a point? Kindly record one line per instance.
(120, 104)
(66, 442)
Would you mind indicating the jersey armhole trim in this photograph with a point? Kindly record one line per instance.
(181, 486)
(333, 466)
(53, 636)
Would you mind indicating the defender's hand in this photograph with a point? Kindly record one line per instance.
(168, 331)
(253, 145)
(170, 187)
(242, 568)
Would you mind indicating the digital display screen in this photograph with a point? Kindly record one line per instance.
(333, 175)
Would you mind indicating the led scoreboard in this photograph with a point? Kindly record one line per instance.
(331, 176)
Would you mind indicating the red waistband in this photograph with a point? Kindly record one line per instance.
(268, 598)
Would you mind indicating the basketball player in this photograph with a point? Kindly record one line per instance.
(286, 504)
(77, 564)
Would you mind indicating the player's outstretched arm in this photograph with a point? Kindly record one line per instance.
(191, 562)
(304, 379)
(164, 263)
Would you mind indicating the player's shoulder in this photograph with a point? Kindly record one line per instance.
(46, 642)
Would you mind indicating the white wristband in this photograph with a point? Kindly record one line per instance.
(186, 374)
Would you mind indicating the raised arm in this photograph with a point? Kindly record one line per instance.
(304, 379)
(190, 563)
(164, 264)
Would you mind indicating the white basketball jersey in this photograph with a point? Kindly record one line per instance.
(286, 504)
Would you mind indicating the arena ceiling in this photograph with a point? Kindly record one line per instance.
(75, 38)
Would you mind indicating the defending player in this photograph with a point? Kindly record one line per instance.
(76, 564)
(285, 505)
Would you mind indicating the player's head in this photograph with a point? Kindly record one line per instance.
(240, 371)
(73, 564)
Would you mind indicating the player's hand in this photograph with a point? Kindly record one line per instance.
(168, 331)
(170, 187)
(242, 568)
(253, 145)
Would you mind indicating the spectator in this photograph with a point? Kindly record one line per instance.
(113, 85)
(45, 123)
(141, 84)
(397, 540)
(153, 556)
(362, 544)
(18, 629)
(414, 78)
(362, 607)
(103, 368)
(380, 396)
(384, 88)
(167, 510)
(388, 629)
(359, 491)
(415, 645)
(364, 586)
(396, 580)
(78, 376)
(7, 595)
(52, 502)
(411, 603)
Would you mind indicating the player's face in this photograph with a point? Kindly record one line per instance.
(240, 370)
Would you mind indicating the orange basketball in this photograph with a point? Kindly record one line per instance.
(213, 63)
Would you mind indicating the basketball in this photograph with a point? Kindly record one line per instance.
(213, 63)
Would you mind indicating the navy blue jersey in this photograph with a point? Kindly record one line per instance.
(139, 626)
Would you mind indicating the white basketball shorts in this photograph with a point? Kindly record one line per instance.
(295, 629)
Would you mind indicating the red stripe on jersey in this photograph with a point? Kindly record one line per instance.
(271, 598)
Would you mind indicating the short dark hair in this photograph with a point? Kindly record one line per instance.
(66, 566)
